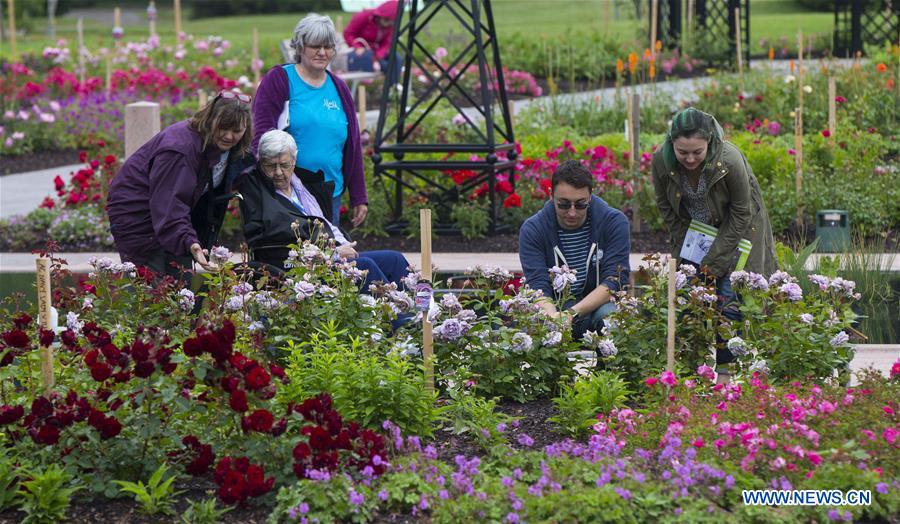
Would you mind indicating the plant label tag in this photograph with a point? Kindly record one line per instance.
(699, 239)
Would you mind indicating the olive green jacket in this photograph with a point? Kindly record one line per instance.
(736, 209)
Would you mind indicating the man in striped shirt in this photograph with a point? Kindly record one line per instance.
(581, 231)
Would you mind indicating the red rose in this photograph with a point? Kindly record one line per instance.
(59, 183)
(82, 156)
(110, 428)
(101, 371)
(16, 338)
(513, 200)
(46, 435)
(95, 164)
(41, 407)
(301, 451)
(260, 421)
(10, 414)
(193, 347)
(504, 186)
(258, 378)
(47, 337)
(144, 369)
(110, 159)
(238, 401)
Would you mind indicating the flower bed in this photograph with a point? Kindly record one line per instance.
(299, 396)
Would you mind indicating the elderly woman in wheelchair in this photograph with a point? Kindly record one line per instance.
(278, 196)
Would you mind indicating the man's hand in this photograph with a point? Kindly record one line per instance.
(359, 214)
(199, 255)
(346, 250)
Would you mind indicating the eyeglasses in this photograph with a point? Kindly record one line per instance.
(316, 48)
(228, 95)
(271, 166)
(565, 206)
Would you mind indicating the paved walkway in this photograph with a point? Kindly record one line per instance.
(22, 193)
(445, 262)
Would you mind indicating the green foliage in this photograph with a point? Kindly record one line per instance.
(45, 497)
(791, 262)
(477, 417)
(369, 383)
(579, 402)
(471, 218)
(9, 482)
(203, 512)
(242, 7)
(157, 496)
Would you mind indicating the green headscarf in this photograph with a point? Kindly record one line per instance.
(693, 122)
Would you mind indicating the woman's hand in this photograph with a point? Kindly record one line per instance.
(346, 250)
(200, 257)
(359, 214)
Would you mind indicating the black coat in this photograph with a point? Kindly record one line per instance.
(267, 216)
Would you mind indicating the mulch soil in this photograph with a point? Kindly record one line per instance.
(11, 165)
(532, 421)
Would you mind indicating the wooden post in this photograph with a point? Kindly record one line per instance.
(606, 16)
(11, 14)
(117, 24)
(798, 159)
(832, 107)
(427, 335)
(151, 17)
(202, 99)
(689, 23)
(361, 106)
(670, 320)
(653, 19)
(339, 26)
(635, 134)
(800, 68)
(255, 58)
(177, 8)
(740, 54)
(46, 320)
(108, 74)
(629, 129)
(82, 68)
(141, 124)
(510, 107)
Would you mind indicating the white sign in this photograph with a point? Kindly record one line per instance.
(355, 6)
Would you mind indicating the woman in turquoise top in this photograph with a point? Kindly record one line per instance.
(316, 109)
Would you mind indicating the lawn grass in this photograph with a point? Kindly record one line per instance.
(770, 20)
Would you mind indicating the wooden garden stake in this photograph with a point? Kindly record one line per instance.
(690, 21)
(510, 109)
(108, 74)
(255, 57)
(202, 98)
(177, 7)
(117, 23)
(46, 320)
(832, 108)
(361, 106)
(151, 17)
(635, 133)
(427, 335)
(11, 14)
(82, 70)
(670, 320)
(800, 69)
(340, 24)
(798, 159)
(737, 37)
(653, 16)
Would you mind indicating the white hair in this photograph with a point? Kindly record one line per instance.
(313, 29)
(275, 142)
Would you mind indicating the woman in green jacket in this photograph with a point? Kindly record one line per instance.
(700, 177)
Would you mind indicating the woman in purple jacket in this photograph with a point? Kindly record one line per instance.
(316, 108)
(164, 204)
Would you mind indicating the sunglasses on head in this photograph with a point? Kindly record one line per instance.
(565, 206)
(228, 95)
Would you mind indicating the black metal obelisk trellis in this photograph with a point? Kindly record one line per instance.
(468, 80)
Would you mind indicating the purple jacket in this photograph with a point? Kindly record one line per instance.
(151, 198)
(274, 90)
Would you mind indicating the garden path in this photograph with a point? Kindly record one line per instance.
(676, 89)
(22, 193)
